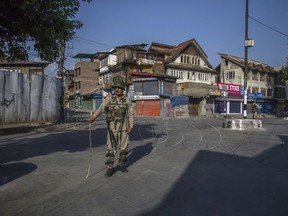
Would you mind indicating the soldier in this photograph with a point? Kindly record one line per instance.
(120, 122)
(254, 109)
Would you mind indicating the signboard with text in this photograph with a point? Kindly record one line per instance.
(232, 89)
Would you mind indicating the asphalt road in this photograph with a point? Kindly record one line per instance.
(176, 167)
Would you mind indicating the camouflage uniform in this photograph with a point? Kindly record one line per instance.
(254, 109)
(119, 116)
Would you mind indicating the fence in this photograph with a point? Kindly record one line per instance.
(28, 98)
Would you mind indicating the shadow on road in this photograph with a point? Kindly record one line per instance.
(138, 152)
(217, 184)
(10, 172)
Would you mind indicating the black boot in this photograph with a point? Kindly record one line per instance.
(123, 169)
(109, 172)
(122, 161)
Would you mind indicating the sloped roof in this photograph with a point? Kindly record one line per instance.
(161, 48)
(133, 46)
(173, 52)
(179, 48)
(252, 65)
(84, 55)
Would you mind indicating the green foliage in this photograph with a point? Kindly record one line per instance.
(284, 71)
(43, 23)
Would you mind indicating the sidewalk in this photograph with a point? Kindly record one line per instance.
(29, 127)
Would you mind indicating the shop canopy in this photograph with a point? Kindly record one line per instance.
(176, 99)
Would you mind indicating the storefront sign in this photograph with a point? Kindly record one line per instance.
(232, 89)
(254, 95)
(146, 97)
(144, 79)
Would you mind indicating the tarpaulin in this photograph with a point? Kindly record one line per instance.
(176, 99)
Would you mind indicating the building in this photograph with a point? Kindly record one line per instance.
(196, 78)
(84, 83)
(158, 76)
(281, 93)
(36, 68)
(262, 86)
(143, 73)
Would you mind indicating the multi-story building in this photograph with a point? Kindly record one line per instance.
(157, 77)
(196, 78)
(143, 73)
(85, 82)
(262, 85)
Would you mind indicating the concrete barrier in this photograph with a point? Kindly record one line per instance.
(242, 124)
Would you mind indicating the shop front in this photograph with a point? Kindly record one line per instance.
(231, 100)
(174, 105)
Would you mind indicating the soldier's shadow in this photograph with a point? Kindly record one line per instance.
(138, 152)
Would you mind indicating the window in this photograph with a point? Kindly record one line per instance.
(230, 75)
(219, 107)
(146, 88)
(262, 77)
(203, 76)
(77, 72)
(189, 59)
(235, 107)
(191, 76)
(78, 85)
(255, 76)
(177, 73)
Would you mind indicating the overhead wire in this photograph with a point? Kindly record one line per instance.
(271, 28)
(92, 42)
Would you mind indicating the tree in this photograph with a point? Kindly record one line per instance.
(284, 71)
(43, 24)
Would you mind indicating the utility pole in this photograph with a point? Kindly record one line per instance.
(248, 43)
(246, 60)
(61, 74)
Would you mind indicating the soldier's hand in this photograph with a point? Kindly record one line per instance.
(91, 118)
(128, 130)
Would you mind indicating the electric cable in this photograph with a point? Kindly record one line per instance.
(268, 26)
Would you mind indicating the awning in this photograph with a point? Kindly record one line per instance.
(176, 99)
